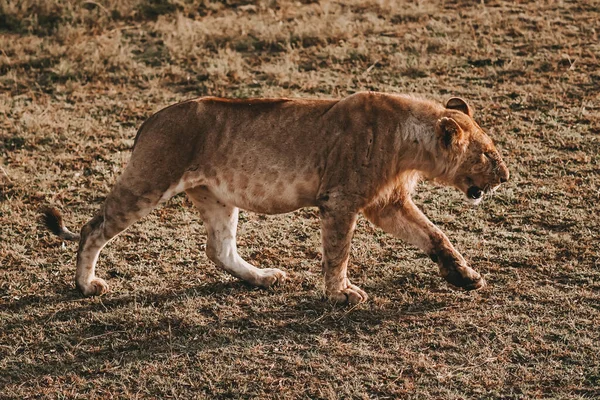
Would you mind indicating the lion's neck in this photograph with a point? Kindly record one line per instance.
(418, 149)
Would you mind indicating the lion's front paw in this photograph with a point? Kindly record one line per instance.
(96, 287)
(269, 277)
(351, 294)
(464, 277)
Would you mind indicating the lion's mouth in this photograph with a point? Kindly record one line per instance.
(474, 193)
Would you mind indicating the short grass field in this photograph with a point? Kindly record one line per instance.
(78, 77)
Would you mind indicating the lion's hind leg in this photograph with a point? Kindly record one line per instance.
(127, 202)
(221, 221)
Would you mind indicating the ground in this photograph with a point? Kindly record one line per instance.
(78, 77)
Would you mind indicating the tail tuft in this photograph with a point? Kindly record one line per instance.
(54, 222)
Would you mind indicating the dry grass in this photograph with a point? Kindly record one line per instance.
(78, 77)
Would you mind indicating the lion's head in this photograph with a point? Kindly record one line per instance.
(478, 168)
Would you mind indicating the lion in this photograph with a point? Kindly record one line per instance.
(361, 154)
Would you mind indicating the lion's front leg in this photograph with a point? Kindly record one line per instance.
(336, 233)
(404, 220)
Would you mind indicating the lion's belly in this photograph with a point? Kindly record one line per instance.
(260, 192)
(266, 197)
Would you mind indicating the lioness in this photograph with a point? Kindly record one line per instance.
(364, 153)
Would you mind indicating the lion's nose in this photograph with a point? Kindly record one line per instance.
(504, 174)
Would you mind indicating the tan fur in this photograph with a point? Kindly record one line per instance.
(364, 153)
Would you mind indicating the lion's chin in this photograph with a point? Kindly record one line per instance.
(474, 202)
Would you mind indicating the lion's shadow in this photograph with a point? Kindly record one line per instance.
(303, 318)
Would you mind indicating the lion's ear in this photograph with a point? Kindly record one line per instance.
(456, 103)
(449, 132)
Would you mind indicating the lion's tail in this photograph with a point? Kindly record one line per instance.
(54, 222)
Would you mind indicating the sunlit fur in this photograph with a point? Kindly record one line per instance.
(364, 153)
